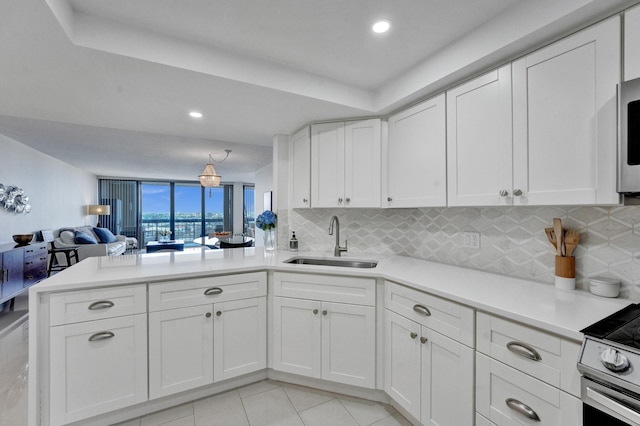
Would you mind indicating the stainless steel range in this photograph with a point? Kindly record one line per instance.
(610, 366)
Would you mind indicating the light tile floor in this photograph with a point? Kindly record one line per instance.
(266, 403)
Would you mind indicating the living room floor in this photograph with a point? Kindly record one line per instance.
(266, 403)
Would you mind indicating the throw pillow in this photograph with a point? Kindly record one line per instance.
(84, 238)
(68, 237)
(104, 235)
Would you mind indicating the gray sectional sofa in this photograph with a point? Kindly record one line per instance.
(71, 237)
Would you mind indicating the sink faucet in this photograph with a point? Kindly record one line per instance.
(337, 249)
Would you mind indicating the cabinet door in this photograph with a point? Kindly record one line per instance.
(240, 337)
(479, 141)
(97, 367)
(403, 353)
(362, 164)
(564, 106)
(296, 336)
(632, 43)
(349, 344)
(327, 165)
(12, 263)
(447, 381)
(180, 350)
(417, 175)
(300, 170)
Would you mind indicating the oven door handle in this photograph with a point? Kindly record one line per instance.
(613, 405)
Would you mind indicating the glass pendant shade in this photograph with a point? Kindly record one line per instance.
(209, 178)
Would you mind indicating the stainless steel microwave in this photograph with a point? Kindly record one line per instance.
(629, 137)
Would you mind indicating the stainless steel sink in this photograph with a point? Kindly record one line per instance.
(347, 263)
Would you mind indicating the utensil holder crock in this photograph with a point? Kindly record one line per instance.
(565, 272)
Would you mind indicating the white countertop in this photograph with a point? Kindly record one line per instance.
(564, 312)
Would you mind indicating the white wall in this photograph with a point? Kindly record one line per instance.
(57, 191)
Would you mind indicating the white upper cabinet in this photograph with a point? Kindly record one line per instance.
(345, 164)
(416, 155)
(300, 170)
(632, 43)
(479, 141)
(564, 119)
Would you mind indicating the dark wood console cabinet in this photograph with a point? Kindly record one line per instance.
(21, 267)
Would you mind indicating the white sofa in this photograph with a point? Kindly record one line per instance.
(66, 238)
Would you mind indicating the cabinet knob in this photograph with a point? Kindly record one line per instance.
(208, 315)
(389, 199)
(517, 192)
(504, 193)
(324, 312)
(413, 335)
(304, 200)
(423, 340)
(339, 200)
(218, 313)
(347, 200)
(315, 312)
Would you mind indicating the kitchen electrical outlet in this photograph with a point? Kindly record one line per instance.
(471, 239)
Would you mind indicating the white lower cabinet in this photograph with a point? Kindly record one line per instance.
(507, 396)
(330, 341)
(317, 336)
(428, 374)
(525, 375)
(205, 330)
(97, 366)
(200, 345)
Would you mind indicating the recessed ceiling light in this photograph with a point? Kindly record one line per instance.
(382, 26)
(195, 114)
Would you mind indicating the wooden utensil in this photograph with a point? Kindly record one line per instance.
(557, 229)
(551, 236)
(571, 240)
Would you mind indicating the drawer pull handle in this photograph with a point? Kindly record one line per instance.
(101, 304)
(422, 310)
(524, 350)
(103, 335)
(521, 408)
(212, 290)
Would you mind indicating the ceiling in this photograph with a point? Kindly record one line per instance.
(106, 85)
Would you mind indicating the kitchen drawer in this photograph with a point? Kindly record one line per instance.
(87, 305)
(192, 292)
(359, 291)
(515, 345)
(36, 249)
(497, 383)
(449, 318)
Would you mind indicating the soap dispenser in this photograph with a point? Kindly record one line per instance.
(293, 243)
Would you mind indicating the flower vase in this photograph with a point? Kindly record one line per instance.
(164, 238)
(270, 239)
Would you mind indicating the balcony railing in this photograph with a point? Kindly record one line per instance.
(184, 229)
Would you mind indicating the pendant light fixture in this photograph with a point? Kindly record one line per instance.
(209, 178)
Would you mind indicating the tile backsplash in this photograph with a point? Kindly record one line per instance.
(512, 239)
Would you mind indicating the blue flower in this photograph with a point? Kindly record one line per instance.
(267, 220)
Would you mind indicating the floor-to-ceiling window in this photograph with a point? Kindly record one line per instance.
(184, 208)
(249, 221)
(156, 209)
